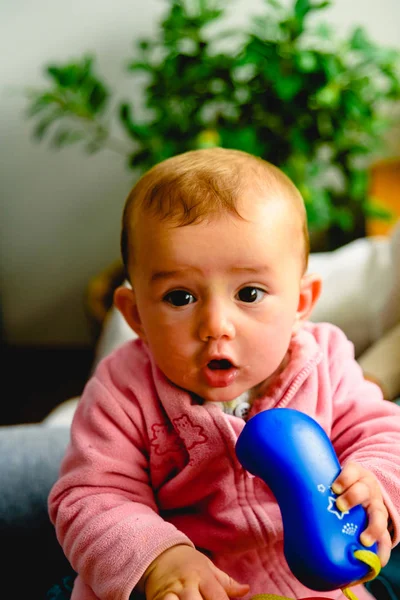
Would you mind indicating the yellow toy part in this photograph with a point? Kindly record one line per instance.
(369, 558)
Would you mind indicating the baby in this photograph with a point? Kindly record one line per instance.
(151, 500)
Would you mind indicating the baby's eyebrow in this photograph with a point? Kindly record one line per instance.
(254, 270)
(257, 269)
(160, 275)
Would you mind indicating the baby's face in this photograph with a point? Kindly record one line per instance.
(217, 301)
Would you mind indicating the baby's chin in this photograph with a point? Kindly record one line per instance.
(215, 395)
(223, 394)
(254, 390)
(205, 393)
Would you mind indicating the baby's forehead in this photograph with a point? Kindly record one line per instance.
(277, 200)
(219, 245)
(174, 206)
(252, 209)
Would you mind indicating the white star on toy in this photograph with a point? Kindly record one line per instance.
(332, 508)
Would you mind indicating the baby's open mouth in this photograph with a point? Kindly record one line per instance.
(220, 372)
(222, 364)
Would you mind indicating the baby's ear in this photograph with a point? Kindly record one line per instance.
(125, 302)
(310, 291)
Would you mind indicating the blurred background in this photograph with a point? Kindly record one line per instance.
(94, 92)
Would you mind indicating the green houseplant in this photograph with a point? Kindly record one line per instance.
(279, 88)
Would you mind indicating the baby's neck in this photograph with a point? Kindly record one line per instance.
(240, 406)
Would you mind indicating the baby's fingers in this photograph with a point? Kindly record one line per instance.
(384, 548)
(350, 473)
(356, 485)
(230, 585)
(377, 523)
(358, 493)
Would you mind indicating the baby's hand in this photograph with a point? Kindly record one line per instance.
(183, 573)
(356, 485)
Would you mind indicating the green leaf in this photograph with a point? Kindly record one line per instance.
(41, 128)
(40, 102)
(140, 66)
(208, 138)
(66, 137)
(318, 208)
(322, 5)
(288, 87)
(301, 8)
(140, 131)
(343, 217)
(375, 209)
(328, 96)
(358, 184)
(243, 139)
(325, 125)
(97, 97)
(275, 4)
(359, 40)
(78, 89)
(332, 67)
(324, 31)
(299, 141)
(141, 157)
(307, 61)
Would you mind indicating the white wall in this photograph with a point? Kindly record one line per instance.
(60, 211)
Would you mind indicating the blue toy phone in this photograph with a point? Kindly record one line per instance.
(293, 455)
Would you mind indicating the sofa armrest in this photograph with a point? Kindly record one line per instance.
(381, 361)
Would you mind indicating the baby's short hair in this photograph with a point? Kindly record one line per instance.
(191, 187)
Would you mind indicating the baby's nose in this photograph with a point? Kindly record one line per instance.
(216, 322)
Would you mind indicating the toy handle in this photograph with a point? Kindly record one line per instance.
(293, 455)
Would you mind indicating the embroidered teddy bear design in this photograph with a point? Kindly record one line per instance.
(164, 440)
(191, 434)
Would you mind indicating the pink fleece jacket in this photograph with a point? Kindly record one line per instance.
(147, 468)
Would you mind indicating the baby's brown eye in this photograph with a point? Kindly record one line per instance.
(250, 294)
(179, 298)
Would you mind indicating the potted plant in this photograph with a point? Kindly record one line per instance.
(291, 92)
